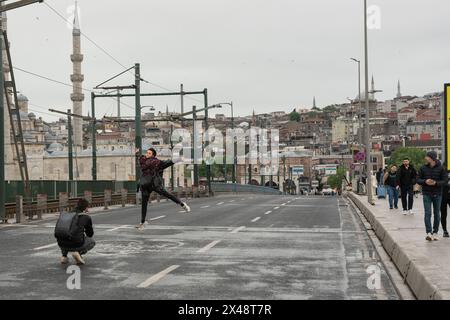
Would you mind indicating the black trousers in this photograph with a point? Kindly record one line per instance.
(444, 203)
(88, 245)
(407, 195)
(146, 191)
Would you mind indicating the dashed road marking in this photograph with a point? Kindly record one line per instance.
(46, 247)
(276, 208)
(209, 246)
(256, 219)
(268, 212)
(238, 229)
(156, 218)
(220, 203)
(117, 228)
(204, 207)
(157, 277)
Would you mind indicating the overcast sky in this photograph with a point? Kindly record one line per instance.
(266, 55)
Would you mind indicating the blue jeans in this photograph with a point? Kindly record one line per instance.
(429, 200)
(393, 196)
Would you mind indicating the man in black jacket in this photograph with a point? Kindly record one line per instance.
(85, 229)
(152, 170)
(406, 180)
(432, 177)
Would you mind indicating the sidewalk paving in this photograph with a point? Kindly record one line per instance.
(424, 265)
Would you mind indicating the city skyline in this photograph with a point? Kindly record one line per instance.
(287, 63)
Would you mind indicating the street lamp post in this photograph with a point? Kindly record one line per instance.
(360, 103)
(233, 174)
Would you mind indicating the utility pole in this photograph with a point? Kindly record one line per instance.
(208, 167)
(138, 139)
(94, 139)
(2, 132)
(194, 119)
(368, 146)
(70, 150)
(172, 183)
(4, 8)
(118, 103)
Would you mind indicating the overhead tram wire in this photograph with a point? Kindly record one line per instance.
(112, 57)
(63, 83)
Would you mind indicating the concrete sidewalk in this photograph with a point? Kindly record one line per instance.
(424, 265)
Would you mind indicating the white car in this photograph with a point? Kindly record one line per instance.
(327, 192)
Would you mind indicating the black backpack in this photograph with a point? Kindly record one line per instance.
(67, 228)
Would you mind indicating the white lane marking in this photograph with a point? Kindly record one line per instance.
(209, 246)
(220, 203)
(117, 228)
(268, 212)
(256, 219)
(231, 201)
(157, 277)
(276, 208)
(156, 218)
(238, 229)
(283, 204)
(204, 207)
(45, 247)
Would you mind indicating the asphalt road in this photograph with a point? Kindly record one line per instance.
(229, 247)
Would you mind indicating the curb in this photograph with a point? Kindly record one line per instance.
(422, 287)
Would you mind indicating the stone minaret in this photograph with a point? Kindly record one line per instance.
(399, 92)
(77, 79)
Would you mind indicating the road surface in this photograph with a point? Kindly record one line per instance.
(229, 247)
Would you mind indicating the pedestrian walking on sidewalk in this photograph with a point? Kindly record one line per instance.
(432, 177)
(379, 177)
(407, 177)
(444, 202)
(391, 182)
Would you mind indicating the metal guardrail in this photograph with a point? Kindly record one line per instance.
(97, 201)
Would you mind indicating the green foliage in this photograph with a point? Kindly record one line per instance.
(329, 109)
(294, 116)
(335, 181)
(416, 157)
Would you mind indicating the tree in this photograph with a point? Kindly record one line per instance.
(329, 109)
(335, 180)
(294, 116)
(415, 156)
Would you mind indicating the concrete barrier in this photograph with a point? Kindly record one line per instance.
(424, 287)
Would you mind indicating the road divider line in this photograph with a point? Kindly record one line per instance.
(46, 247)
(209, 246)
(268, 212)
(276, 208)
(256, 219)
(238, 229)
(157, 277)
(156, 218)
(204, 207)
(220, 203)
(283, 204)
(117, 228)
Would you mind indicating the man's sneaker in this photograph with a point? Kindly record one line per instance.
(411, 212)
(64, 260)
(429, 237)
(435, 237)
(405, 212)
(446, 234)
(140, 226)
(77, 257)
(185, 207)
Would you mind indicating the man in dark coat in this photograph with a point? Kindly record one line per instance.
(152, 170)
(432, 177)
(407, 178)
